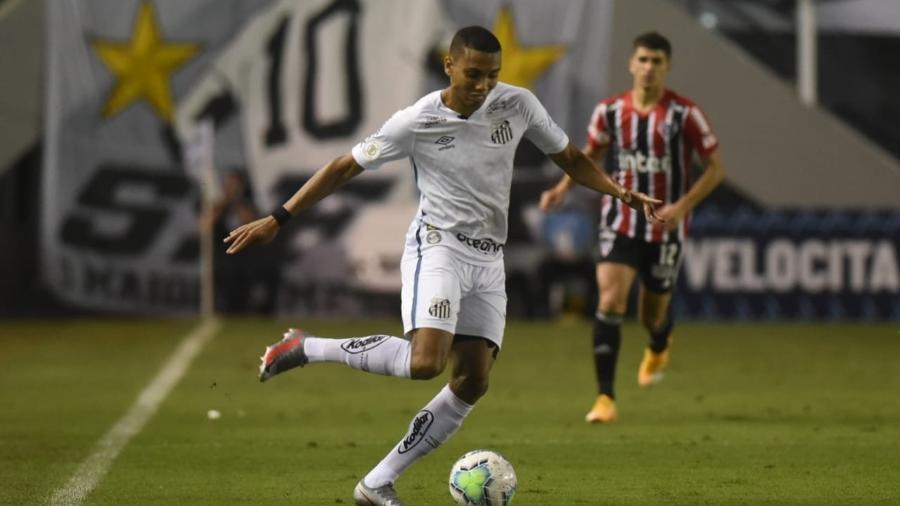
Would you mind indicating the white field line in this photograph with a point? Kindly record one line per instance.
(94, 467)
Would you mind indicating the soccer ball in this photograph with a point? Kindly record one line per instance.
(481, 478)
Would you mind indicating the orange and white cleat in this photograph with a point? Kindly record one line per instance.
(604, 410)
(283, 355)
(651, 370)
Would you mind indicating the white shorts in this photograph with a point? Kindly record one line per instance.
(442, 290)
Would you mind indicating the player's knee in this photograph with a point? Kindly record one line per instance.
(469, 388)
(426, 367)
(611, 307)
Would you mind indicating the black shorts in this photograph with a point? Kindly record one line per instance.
(657, 263)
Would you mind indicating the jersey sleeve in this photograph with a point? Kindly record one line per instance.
(699, 134)
(392, 141)
(542, 130)
(598, 130)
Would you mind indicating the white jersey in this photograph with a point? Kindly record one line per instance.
(463, 166)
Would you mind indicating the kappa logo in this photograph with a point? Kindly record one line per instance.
(362, 344)
(502, 133)
(418, 428)
(440, 308)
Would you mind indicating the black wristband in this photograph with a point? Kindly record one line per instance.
(281, 215)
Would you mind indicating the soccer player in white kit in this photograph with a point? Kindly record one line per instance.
(461, 142)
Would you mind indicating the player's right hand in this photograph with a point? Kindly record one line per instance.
(644, 203)
(262, 230)
(551, 199)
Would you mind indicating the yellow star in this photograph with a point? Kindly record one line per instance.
(143, 66)
(522, 65)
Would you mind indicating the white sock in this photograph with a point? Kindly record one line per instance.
(377, 354)
(437, 421)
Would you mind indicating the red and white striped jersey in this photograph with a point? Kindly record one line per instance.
(651, 152)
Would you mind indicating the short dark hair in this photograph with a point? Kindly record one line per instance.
(474, 37)
(654, 41)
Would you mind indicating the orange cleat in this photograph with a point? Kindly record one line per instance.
(604, 410)
(651, 370)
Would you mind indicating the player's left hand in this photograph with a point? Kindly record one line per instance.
(262, 230)
(551, 199)
(672, 214)
(644, 203)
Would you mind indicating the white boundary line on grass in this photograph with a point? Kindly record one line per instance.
(94, 467)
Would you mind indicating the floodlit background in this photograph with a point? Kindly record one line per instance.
(114, 167)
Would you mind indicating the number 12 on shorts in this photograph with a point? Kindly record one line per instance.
(668, 253)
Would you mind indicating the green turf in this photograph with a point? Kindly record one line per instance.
(62, 386)
(748, 414)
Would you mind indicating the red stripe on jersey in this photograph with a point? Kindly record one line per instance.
(659, 141)
(622, 222)
(685, 185)
(687, 161)
(630, 127)
(660, 180)
(698, 132)
(598, 130)
(626, 128)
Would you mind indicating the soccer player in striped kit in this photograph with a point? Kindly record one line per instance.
(461, 142)
(654, 136)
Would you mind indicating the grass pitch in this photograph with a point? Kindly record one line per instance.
(747, 414)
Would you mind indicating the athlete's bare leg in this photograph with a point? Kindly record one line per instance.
(653, 309)
(472, 363)
(430, 352)
(614, 281)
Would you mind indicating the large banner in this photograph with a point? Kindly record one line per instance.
(286, 86)
(749, 264)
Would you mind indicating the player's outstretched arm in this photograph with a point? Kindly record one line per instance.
(584, 171)
(323, 183)
(554, 197)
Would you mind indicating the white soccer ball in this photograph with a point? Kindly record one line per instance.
(481, 478)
